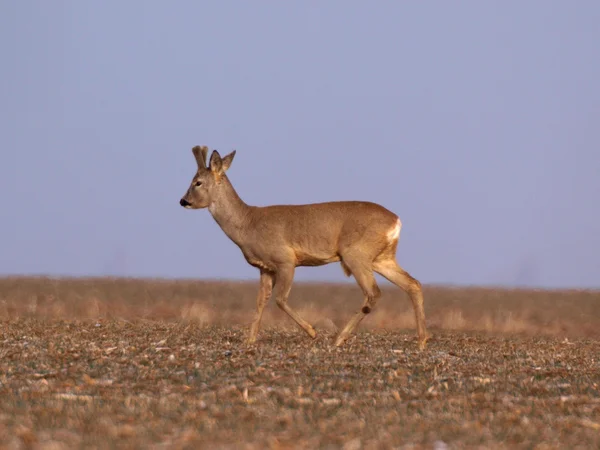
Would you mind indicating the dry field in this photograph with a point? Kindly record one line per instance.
(110, 363)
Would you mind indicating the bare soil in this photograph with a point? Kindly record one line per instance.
(111, 363)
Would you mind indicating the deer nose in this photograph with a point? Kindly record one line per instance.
(184, 202)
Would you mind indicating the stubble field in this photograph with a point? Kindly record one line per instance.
(113, 363)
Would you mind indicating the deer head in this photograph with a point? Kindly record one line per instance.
(206, 181)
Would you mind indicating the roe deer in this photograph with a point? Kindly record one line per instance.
(363, 236)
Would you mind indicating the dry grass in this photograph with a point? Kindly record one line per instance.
(557, 313)
(105, 363)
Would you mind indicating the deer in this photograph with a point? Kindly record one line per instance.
(276, 239)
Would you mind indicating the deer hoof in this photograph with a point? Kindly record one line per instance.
(423, 342)
(340, 340)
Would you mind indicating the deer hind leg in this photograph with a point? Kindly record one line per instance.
(390, 269)
(264, 294)
(283, 286)
(364, 277)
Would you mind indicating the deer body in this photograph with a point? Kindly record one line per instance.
(363, 236)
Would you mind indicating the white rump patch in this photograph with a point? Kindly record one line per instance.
(394, 233)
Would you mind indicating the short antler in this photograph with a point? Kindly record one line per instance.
(200, 155)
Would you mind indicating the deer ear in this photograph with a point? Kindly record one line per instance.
(216, 163)
(200, 155)
(227, 159)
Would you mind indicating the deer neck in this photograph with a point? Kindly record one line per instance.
(230, 211)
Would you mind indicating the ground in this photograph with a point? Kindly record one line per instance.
(153, 364)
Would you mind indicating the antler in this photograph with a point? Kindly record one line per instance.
(200, 155)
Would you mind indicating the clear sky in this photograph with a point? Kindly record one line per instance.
(478, 123)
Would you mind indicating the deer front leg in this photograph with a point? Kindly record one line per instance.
(283, 286)
(264, 294)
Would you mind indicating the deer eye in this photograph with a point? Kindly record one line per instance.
(198, 183)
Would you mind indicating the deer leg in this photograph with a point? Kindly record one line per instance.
(264, 294)
(283, 286)
(390, 269)
(365, 279)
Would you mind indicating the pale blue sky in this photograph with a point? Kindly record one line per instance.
(476, 122)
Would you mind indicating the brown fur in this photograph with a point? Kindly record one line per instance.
(277, 239)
